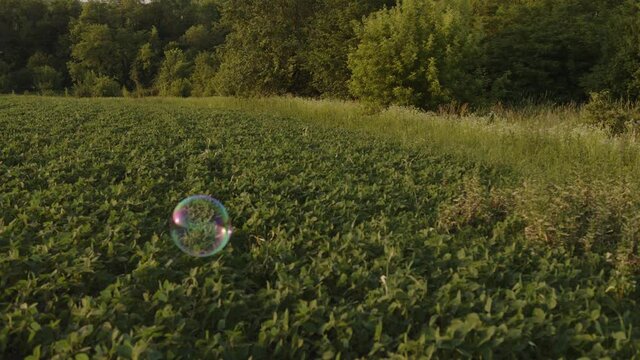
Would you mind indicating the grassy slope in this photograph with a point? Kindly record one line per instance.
(326, 203)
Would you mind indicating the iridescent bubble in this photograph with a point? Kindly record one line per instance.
(200, 226)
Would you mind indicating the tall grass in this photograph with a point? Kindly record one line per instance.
(549, 143)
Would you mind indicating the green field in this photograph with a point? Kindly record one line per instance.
(357, 235)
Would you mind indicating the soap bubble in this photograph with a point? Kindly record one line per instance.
(200, 226)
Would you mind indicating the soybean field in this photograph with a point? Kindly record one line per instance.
(347, 243)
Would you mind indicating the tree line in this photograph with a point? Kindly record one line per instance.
(422, 53)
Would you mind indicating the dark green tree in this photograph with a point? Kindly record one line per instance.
(422, 53)
(204, 69)
(33, 26)
(618, 70)
(173, 77)
(261, 55)
(146, 63)
(330, 37)
(45, 78)
(106, 42)
(542, 49)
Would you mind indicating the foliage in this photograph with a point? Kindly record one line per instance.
(204, 68)
(613, 116)
(30, 27)
(92, 85)
(419, 53)
(330, 39)
(585, 218)
(335, 250)
(260, 54)
(544, 49)
(4, 76)
(105, 42)
(173, 76)
(200, 38)
(617, 70)
(46, 79)
(459, 54)
(105, 86)
(145, 65)
(475, 206)
(597, 217)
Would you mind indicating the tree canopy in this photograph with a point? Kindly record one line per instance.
(423, 53)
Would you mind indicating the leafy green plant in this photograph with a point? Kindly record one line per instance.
(475, 206)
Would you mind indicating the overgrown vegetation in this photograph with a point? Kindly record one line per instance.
(352, 239)
(614, 116)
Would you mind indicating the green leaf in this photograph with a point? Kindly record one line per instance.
(619, 335)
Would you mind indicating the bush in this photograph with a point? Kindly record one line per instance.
(106, 86)
(93, 85)
(584, 217)
(331, 36)
(616, 117)
(179, 87)
(619, 64)
(477, 206)
(174, 72)
(19, 80)
(82, 89)
(4, 79)
(205, 66)
(262, 54)
(46, 79)
(419, 53)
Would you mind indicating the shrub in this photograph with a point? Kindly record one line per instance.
(106, 86)
(174, 72)
(584, 217)
(93, 85)
(419, 53)
(261, 54)
(476, 206)
(179, 87)
(614, 116)
(205, 66)
(4, 72)
(82, 89)
(46, 79)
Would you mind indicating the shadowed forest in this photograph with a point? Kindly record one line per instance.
(427, 54)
